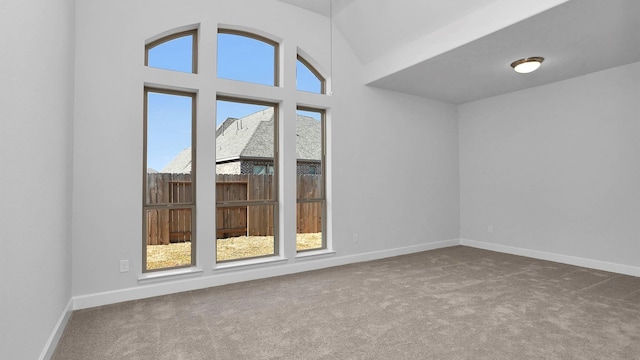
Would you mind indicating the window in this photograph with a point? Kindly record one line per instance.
(246, 179)
(308, 78)
(311, 202)
(247, 57)
(175, 52)
(169, 179)
(263, 169)
(245, 158)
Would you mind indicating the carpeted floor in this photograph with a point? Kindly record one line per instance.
(453, 303)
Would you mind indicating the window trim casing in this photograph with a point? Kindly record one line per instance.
(276, 51)
(192, 204)
(164, 39)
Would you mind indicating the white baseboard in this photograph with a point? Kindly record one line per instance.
(56, 334)
(205, 281)
(301, 265)
(564, 259)
(375, 255)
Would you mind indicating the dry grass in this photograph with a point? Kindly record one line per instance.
(308, 241)
(165, 256)
(243, 247)
(179, 254)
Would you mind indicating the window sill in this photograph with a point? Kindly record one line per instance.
(247, 264)
(169, 274)
(314, 254)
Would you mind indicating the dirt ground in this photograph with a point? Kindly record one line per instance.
(179, 254)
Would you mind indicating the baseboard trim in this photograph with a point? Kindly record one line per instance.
(564, 259)
(228, 277)
(376, 255)
(56, 334)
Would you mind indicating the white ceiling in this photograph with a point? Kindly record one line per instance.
(460, 50)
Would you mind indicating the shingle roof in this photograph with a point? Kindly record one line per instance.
(252, 137)
(248, 136)
(308, 138)
(180, 164)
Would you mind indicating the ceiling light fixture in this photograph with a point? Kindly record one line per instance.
(527, 65)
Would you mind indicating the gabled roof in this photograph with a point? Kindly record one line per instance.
(180, 164)
(252, 137)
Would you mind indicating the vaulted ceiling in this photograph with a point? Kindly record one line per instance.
(460, 50)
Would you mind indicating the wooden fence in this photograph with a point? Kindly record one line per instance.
(310, 214)
(166, 226)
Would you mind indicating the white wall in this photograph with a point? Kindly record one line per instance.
(36, 112)
(393, 157)
(556, 169)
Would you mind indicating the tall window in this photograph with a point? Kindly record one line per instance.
(246, 155)
(175, 52)
(169, 180)
(311, 201)
(246, 199)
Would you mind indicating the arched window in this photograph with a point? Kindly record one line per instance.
(247, 57)
(308, 78)
(246, 152)
(174, 52)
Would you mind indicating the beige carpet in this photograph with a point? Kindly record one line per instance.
(454, 303)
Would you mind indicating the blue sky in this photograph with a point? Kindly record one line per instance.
(239, 58)
(168, 128)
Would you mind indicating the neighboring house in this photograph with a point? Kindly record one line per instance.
(245, 146)
(180, 164)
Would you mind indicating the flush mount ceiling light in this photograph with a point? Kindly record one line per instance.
(527, 65)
